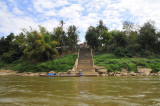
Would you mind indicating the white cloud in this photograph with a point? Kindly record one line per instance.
(81, 13)
(72, 12)
(50, 24)
(42, 5)
(12, 1)
(12, 23)
(50, 13)
(143, 10)
(17, 11)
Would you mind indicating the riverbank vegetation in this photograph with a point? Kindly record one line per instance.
(132, 41)
(60, 64)
(114, 63)
(131, 47)
(38, 45)
(39, 50)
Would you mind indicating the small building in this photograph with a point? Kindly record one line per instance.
(83, 45)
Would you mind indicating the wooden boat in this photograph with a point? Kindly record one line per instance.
(59, 75)
(46, 75)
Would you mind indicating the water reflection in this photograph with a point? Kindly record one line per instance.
(84, 85)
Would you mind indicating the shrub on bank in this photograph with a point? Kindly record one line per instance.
(2, 64)
(59, 64)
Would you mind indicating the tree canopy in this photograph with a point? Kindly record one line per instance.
(38, 45)
(128, 42)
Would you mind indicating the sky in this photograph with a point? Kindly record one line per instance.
(18, 14)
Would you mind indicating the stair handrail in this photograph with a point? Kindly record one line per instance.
(92, 57)
(77, 58)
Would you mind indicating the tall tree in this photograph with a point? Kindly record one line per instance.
(46, 34)
(128, 27)
(8, 51)
(119, 39)
(92, 37)
(72, 37)
(100, 28)
(147, 36)
(60, 35)
(37, 49)
(62, 23)
(106, 37)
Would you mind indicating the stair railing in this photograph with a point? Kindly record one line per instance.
(92, 57)
(77, 58)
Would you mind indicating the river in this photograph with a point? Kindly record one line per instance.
(83, 91)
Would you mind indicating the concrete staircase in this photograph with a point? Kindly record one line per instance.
(85, 63)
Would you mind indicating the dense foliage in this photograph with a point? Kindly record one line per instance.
(38, 45)
(130, 42)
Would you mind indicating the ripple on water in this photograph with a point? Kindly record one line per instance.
(156, 100)
(104, 99)
(138, 96)
(147, 92)
(123, 91)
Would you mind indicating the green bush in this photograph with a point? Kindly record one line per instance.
(27, 67)
(132, 67)
(101, 49)
(60, 64)
(9, 56)
(120, 52)
(109, 68)
(2, 64)
(155, 67)
(147, 54)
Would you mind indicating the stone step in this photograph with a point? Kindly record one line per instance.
(85, 60)
(87, 57)
(85, 68)
(85, 63)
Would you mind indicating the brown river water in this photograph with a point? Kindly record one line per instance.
(82, 91)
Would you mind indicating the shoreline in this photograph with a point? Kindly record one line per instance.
(102, 73)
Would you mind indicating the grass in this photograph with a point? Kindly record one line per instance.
(60, 64)
(113, 63)
(2, 64)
